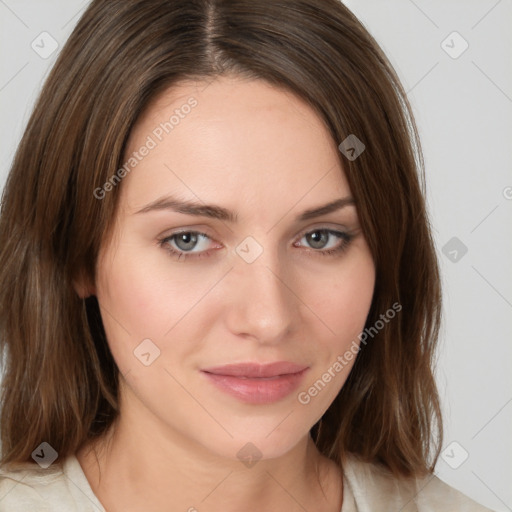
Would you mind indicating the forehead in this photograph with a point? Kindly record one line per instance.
(233, 137)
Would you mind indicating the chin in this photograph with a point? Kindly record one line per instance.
(253, 442)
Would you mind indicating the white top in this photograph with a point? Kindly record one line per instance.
(367, 488)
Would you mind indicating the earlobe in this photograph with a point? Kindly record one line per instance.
(83, 288)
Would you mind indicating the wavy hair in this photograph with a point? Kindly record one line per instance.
(60, 382)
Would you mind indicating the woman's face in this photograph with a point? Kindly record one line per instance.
(229, 290)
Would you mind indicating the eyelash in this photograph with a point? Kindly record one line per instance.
(344, 236)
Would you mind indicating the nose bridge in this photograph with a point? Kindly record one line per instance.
(263, 306)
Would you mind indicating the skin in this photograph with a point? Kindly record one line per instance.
(265, 154)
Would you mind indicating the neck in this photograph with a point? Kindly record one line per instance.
(135, 467)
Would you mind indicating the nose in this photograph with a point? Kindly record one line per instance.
(260, 301)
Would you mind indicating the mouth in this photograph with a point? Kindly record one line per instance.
(255, 383)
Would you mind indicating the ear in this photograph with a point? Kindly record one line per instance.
(83, 287)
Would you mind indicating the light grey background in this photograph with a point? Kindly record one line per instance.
(463, 107)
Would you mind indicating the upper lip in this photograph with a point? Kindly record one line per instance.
(257, 370)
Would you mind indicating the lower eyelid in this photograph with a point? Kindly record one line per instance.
(344, 237)
(341, 235)
(175, 235)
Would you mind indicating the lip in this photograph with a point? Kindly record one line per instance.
(256, 383)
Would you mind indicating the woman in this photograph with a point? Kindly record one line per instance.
(218, 284)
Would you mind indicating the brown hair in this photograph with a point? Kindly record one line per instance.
(60, 381)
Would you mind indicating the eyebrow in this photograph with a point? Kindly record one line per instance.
(218, 212)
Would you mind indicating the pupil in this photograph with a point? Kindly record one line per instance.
(186, 241)
(317, 239)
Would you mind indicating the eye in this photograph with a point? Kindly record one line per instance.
(194, 244)
(327, 241)
(185, 242)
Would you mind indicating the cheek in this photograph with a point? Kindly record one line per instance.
(342, 299)
(143, 294)
(356, 294)
(151, 298)
(131, 303)
(344, 310)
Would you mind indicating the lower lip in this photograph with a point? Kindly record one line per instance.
(257, 391)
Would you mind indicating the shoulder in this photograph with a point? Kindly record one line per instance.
(371, 485)
(26, 486)
(62, 487)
